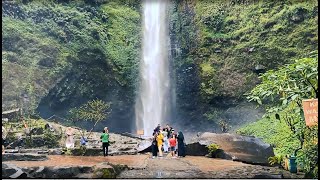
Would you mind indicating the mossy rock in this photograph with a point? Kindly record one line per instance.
(119, 168)
(86, 152)
(104, 170)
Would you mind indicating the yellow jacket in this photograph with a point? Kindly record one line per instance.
(160, 139)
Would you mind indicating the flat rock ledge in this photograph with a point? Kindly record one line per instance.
(24, 157)
(102, 170)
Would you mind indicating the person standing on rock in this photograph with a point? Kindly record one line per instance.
(173, 143)
(181, 146)
(165, 140)
(169, 129)
(175, 135)
(160, 142)
(105, 141)
(154, 145)
(69, 140)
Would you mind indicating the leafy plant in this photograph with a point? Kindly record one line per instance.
(50, 139)
(83, 150)
(225, 127)
(212, 148)
(285, 89)
(67, 151)
(275, 160)
(95, 111)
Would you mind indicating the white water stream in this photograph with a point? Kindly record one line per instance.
(153, 103)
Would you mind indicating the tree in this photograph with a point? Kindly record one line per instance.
(95, 111)
(282, 91)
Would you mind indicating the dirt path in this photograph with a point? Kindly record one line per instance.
(142, 166)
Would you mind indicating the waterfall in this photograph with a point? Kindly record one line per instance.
(153, 102)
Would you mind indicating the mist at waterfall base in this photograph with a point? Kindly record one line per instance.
(236, 115)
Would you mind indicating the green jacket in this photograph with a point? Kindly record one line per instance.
(104, 137)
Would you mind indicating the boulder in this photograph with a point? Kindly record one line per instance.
(268, 176)
(87, 152)
(57, 171)
(131, 135)
(12, 171)
(36, 172)
(104, 170)
(62, 171)
(23, 157)
(259, 68)
(196, 149)
(238, 148)
(57, 151)
(144, 146)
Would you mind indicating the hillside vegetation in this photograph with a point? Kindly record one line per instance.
(60, 54)
(220, 47)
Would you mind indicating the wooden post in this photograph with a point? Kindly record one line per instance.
(140, 132)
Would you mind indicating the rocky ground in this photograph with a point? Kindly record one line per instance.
(142, 166)
(240, 157)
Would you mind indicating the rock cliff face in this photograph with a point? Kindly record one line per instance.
(58, 55)
(219, 48)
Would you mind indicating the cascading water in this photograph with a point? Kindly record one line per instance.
(153, 102)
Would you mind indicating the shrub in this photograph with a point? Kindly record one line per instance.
(212, 148)
(51, 139)
(276, 160)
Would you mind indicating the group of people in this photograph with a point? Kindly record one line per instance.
(166, 140)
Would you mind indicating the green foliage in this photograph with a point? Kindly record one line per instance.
(213, 115)
(83, 150)
(208, 73)
(276, 32)
(274, 132)
(291, 83)
(67, 151)
(217, 44)
(51, 140)
(308, 157)
(45, 43)
(285, 89)
(95, 110)
(225, 127)
(212, 148)
(275, 160)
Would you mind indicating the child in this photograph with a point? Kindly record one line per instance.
(173, 143)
